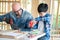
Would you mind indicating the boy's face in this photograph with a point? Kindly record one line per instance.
(42, 14)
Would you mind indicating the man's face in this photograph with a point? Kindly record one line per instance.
(16, 8)
(18, 12)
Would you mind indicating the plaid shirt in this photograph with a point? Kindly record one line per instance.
(46, 19)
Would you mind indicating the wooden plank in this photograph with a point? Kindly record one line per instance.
(5, 36)
(34, 8)
(10, 1)
(57, 16)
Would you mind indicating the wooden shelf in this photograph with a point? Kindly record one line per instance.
(9, 1)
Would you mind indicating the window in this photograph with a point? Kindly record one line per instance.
(55, 13)
(26, 4)
(6, 6)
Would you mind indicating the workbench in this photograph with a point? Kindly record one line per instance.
(15, 35)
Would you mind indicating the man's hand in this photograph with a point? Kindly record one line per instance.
(4, 18)
(32, 23)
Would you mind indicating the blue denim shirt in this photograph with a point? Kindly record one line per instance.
(18, 23)
(46, 19)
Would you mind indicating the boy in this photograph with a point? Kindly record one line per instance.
(45, 17)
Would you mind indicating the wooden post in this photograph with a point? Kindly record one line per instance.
(57, 16)
(34, 8)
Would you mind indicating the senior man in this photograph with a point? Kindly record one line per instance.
(17, 18)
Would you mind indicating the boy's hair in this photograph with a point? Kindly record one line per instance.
(42, 7)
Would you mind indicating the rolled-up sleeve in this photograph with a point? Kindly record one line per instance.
(1, 18)
(29, 18)
(4, 17)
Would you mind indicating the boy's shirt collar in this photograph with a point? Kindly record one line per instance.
(39, 18)
(47, 14)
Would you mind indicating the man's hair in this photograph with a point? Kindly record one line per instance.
(42, 7)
